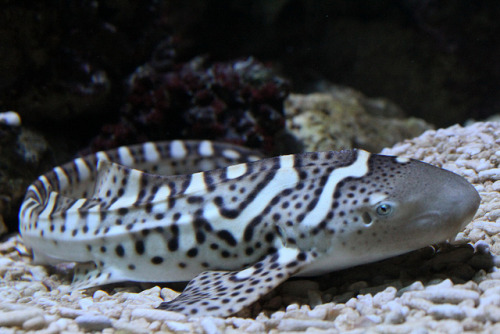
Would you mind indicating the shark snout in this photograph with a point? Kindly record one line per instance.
(463, 203)
(444, 203)
(457, 202)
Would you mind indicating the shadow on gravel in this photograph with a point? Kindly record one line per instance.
(429, 265)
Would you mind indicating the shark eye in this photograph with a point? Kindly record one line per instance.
(384, 209)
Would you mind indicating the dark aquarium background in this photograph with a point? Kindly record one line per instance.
(92, 75)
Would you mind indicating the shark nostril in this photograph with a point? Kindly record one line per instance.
(367, 219)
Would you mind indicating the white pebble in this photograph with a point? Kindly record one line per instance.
(479, 187)
(67, 312)
(157, 315)
(278, 315)
(347, 316)
(446, 326)
(8, 294)
(302, 324)
(492, 313)
(209, 325)
(447, 283)
(39, 273)
(409, 299)
(490, 300)
(376, 319)
(490, 174)
(351, 303)
(58, 326)
(486, 139)
(99, 294)
(129, 327)
(493, 214)
(85, 303)
(176, 326)
(475, 313)
(415, 286)
(394, 317)
(11, 118)
(394, 305)
(483, 165)
(496, 186)
(168, 294)
(255, 327)
(488, 227)
(470, 149)
(451, 295)
(469, 174)
(46, 302)
(93, 322)
(385, 296)
(410, 328)
(17, 318)
(248, 325)
(446, 311)
(318, 313)
(5, 262)
(365, 304)
(32, 288)
(477, 234)
(488, 284)
(35, 323)
(155, 326)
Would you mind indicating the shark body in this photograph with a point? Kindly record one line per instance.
(232, 223)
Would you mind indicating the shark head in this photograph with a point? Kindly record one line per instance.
(415, 203)
(394, 206)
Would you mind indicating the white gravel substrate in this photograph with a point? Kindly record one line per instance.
(447, 289)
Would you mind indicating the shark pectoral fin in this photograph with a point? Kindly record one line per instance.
(87, 275)
(222, 293)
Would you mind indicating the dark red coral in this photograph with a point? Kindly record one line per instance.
(237, 101)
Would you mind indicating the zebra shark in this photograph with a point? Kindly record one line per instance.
(232, 223)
